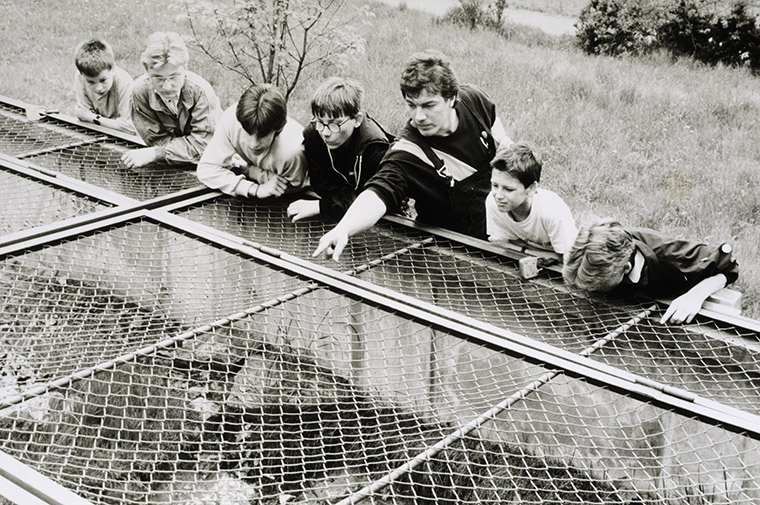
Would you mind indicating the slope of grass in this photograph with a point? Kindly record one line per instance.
(654, 142)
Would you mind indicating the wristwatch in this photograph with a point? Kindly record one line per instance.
(96, 119)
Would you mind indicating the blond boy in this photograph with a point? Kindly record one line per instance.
(174, 110)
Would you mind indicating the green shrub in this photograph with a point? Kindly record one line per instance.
(616, 27)
(477, 14)
(732, 38)
(689, 27)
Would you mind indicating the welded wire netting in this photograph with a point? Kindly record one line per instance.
(326, 395)
(88, 156)
(702, 358)
(28, 203)
(100, 164)
(154, 361)
(18, 136)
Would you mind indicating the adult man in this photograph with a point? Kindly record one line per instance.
(441, 160)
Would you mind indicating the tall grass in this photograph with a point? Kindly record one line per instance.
(654, 142)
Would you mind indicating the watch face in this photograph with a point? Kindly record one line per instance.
(726, 248)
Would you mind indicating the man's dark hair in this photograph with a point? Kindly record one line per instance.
(429, 70)
(262, 109)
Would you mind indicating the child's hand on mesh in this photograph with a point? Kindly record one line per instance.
(275, 186)
(303, 209)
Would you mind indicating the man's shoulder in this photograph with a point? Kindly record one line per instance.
(473, 94)
(405, 150)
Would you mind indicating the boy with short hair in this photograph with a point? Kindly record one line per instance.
(343, 148)
(517, 209)
(103, 89)
(606, 257)
(174, 110)
(256, 150)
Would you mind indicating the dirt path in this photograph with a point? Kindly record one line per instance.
(554, 25)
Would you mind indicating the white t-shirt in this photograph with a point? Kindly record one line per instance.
(550, 224)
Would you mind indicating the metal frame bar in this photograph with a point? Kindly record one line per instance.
(72, 121)
(122, 204)
(26, 486)
(53, 149)
(61, 180)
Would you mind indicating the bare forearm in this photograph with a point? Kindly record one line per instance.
(366, 210)
(685, 307)
(363, 214)
(707, 287)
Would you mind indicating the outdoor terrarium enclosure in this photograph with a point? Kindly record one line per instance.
(163, 343)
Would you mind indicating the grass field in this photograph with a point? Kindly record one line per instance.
(654, 142)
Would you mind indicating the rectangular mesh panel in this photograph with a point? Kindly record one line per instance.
(328, 394)
(141, 364)
(19, 136)
(84, 301)
(100, 164)
(699, 357)
(28, 203)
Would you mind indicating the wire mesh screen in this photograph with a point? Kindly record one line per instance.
(154, 361)
(700, 357)
(88, 156)
(28, 203)
(321, 396)
(18, 136)
(265, 222)
(100, 164)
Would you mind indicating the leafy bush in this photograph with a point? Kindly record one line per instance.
(732, 38)
(689, 27)
(616, 27)
(477, 14)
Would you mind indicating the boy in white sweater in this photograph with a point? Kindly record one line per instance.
(256, 150)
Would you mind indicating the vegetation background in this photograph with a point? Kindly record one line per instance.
(657, 142)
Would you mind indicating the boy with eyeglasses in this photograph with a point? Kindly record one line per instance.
(173, 110)
(256, 150)
(343, 148)
(441, 160)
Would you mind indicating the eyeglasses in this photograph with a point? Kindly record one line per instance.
(331, 126)
(160, 80)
